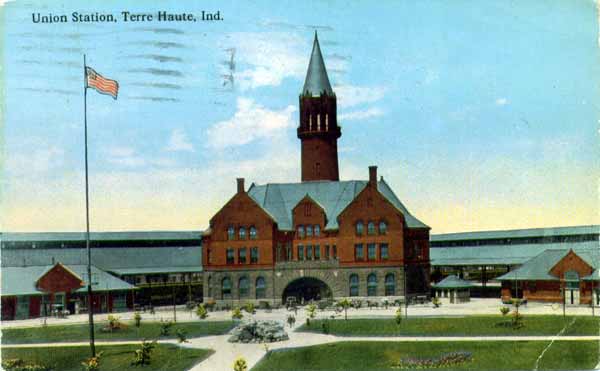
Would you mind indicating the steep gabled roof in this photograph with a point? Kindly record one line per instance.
(317, 80)
(333, 196)
(538, 268)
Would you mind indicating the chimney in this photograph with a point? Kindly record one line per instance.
(240, 185)
(373, 175)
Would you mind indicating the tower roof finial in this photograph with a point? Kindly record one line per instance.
(317, 80)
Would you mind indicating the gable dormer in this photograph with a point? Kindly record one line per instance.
(571, 262)
(308, 212)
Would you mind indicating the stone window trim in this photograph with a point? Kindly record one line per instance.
(243, 287)
(359, 253)
(371, 251)
(371, 228)
(384, 251)
(260, 287)
(242, 255)
(226, 288)
(390, 284)
(254, 255)
(372, 284)
(242, 233)
(230, 255)
(353, 284)
(230, 233)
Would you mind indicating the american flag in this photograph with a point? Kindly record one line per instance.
(100, 83)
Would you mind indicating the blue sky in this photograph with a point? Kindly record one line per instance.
(481, 115)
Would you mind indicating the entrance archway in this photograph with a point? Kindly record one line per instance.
(306, 289)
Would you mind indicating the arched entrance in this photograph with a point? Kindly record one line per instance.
(306, 289)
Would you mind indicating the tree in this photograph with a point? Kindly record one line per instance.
(344, 304)
(142, 355)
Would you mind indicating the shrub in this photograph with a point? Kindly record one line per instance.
(249, 308)
(504, 311)
(323, 304)
(137, 318)
(142, 355)
(517, 320)
(181, 336)
(165, 327)
(240, 365)
(356, 304)
(236, 313)
(92, 364)
(201, 311)
(311, 311)
(436, 302)
(344, 304)
(114, 323)
(190, 305)
(398, 317)
(17, 364)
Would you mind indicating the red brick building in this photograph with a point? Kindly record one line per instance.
(320, 238)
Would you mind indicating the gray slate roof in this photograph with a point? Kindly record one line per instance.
(498, 254)
(100, 236)
(453, 282)
(537, 268)
(518, 233)
(278, 200)
(317, 80)
(21, 280)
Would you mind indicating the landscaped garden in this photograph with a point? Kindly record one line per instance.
(471, 355)
(455, 326)
(113, 358)
(104, 331)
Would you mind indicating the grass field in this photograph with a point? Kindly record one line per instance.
(379, 356)
(459, 326)
(114, 358)
(80, 332)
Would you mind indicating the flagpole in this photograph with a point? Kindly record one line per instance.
(87, 217)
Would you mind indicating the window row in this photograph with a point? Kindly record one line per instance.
(373, 253)
(307, 252)
(371, 230)
(389, 284)
(241, 233)
(242, 255)
(308, 230)
(260, 287)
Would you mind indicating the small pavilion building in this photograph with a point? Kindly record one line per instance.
(453, 290)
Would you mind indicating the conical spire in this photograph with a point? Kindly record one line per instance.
(316, 77)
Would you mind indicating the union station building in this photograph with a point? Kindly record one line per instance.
(321, 238)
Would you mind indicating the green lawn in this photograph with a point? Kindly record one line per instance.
(114, 358)
(456, 326)
(379, 356)
(80, 332)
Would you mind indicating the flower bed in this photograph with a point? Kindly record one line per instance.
(445, 360)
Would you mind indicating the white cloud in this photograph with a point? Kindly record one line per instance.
(266, 59)
(361, 114)
(179, 142)
(350, 95)
(501, 101)
(251, 122)
(35, 156)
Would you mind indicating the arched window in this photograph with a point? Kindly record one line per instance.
(354, 285)
(390, 284)
(226, 288)
(359, 228)
(317, 230)
(372, 285)
(242, 233)
(230, 233)
(244, 287)
(382, 227)
(260, 287)
(300, 231)
(572, 279)
(371, 228)
(309, 231)
(253, 233)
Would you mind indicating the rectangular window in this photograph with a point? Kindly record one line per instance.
(242, 256)
(309, 252)
(383, 250)
(326, 252)
(317, 252)
(254, 255)
(358, 252)
(372, 251)
(290, 252)
(300, 252)
(230, 258)
(334, 251)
